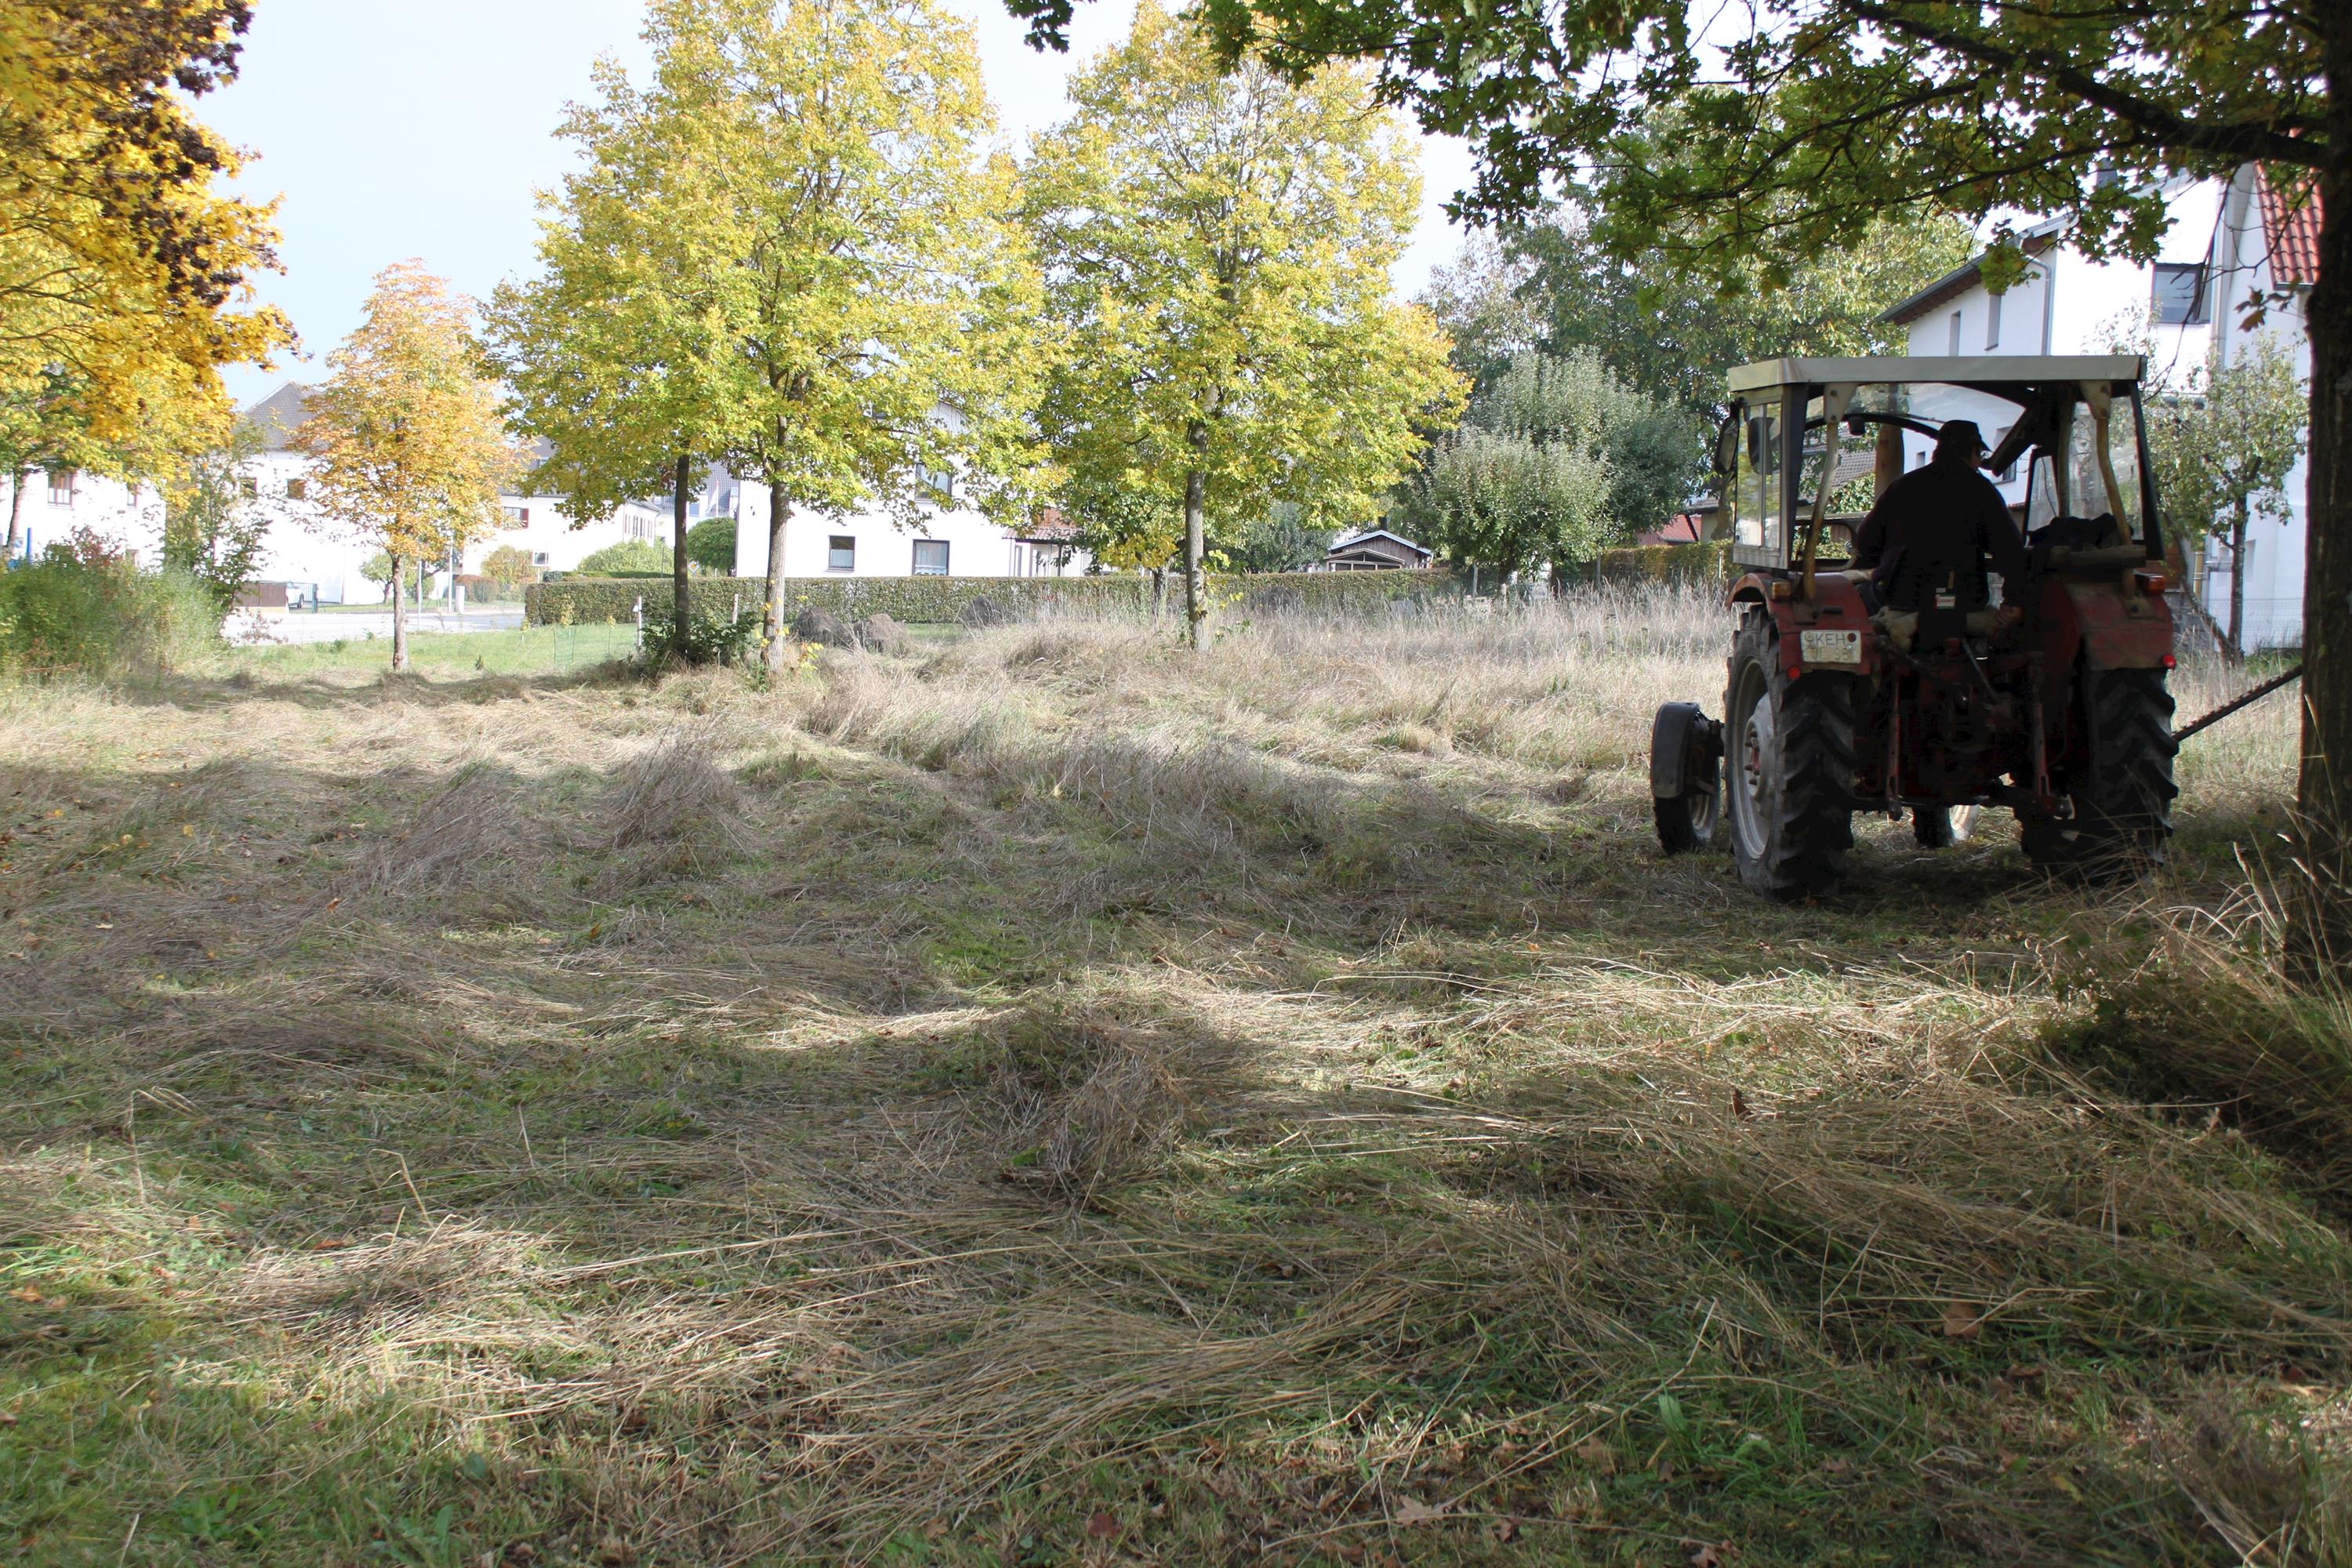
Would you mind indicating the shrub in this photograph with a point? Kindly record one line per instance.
(629, 555)
(710, 544)
(937, 600)
(704, 639)
(508, 567)
(103, 617)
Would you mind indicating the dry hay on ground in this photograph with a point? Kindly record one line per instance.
(1049, 1098)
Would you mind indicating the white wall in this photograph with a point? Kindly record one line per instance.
(976, 547)
(303, 545)
(2241, 267)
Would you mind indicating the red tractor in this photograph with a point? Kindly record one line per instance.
(2051, 702)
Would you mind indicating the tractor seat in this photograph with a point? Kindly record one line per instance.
(1902, 626)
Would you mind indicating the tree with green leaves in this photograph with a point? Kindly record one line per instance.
(1731, 142)
(710, 544)
(1672, 332)
(407, 433)
(213, 529)
(614, 353)
(1284, 540)
(1555, 461)
(809, 233)
(509, 567)
(2222, 450)
(1217, 251)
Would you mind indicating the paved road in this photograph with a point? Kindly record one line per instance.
(298, 627)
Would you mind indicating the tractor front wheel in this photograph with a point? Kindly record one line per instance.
(1788, 768)
(2122, 791)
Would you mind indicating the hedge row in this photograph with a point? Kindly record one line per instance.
(1639, 564)
(586, 600)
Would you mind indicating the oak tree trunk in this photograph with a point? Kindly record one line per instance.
(2324, 792)
(682, 604)
(771, 623)
(399, 615)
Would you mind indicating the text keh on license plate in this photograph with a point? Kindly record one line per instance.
(1831, 647)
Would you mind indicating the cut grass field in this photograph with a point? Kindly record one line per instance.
(1053, 1100)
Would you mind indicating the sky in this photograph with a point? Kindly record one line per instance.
(391, 129)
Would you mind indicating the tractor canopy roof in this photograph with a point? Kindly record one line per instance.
(1986, 373)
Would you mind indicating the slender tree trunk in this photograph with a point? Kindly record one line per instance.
(2237, 648)
(771, 625)
(400, 616)
(2323, 794)
(682, 600)
(22, 478)
(1196, 537)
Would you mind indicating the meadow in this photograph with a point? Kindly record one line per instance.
(1054, 1098)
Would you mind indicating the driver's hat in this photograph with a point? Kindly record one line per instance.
(1961, 435)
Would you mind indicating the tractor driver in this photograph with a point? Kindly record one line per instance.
(1934, 528)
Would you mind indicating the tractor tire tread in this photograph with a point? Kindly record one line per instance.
(1814, 826)
(2122, 797)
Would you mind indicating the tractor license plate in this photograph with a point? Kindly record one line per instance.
(1831, 647)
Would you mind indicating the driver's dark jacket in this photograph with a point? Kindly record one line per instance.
(1935, 528)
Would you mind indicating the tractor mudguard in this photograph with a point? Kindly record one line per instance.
(1831, 636)
(2110, 628)
(1678, 730)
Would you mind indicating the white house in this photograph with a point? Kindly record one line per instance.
(303, 549)
(2265, 245)
(948, 538)
(2065, 304)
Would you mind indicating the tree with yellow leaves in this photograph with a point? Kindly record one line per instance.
(120, 268)
(814, 262)
(408, 436)
(1217, 251)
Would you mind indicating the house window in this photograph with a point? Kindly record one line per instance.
(1992, 323)
(248, 486)
(298, 490)
(539, 558)
(937, 482)
(61, 486)
(931, 558)
(1953, 344)
(2177, 294)
(516, 515)
(841, 553)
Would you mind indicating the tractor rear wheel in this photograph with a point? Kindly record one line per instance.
(1942, 826)
(2122, 791)
(1788, 768)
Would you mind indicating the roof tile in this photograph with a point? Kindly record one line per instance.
(2291, 214)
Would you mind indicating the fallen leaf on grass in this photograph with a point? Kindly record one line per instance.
(1597, 1455)
(26, 1294)
(1413, 1510)
(1102, 1526)
(1961, 1322)
(1716, 1555)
